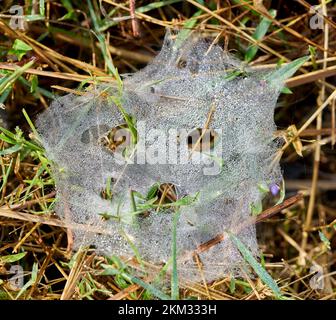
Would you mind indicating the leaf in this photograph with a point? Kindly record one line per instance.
(160, 276)
(107, 23)
(20, 45)
(108, 188)
(148, 287)
(152, 191)
(185, 201)
(71, 14)
(242, 2)
(234, 74)
(31, 125)
(12, 258)
(6, 139)
(109, 271)
(187, 28)
(130, 121)
(262, 260)
(3, 294)
(102, 43)
(258, 35)
(11, 150)
(67, 5)
(14, 139)
(68, 16)
(312, 52)
(257, 267)
(42, 7)
(324, 239)
(31, 281)
(9, 80)
(256, 208)
(155, 5)
(4, 97)
(33, 83)
(284, 72)
(19, 49)
(151, 201)
(263, 188)
(174, 277)
(133, 247)
(33, 17)
(282, 193)
(5, 174)
(37, 90)
(286, 90)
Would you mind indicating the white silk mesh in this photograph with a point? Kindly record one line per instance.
(176, 92)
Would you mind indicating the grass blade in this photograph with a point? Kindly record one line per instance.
(259, 33)
(187, 27)
(174, 276)
(154, 291)
(109, 271)
(12, 258)
(30, 282)
(11, 150)
(155, 5)
(16, 74)
(286, 71)
(31, 125)
(257, 267)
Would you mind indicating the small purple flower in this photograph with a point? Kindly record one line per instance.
(274, 188)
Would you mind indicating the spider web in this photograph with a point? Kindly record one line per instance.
(176, 93)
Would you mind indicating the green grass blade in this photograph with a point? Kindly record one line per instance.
(107, 23)
(258, 35)
(12, 258)
(109, 271)
(16, 74)
(154, 291)
(257, 267)
(11, 150)
(30, 282)
(42, 7)
(325, 240)
(31, 125)
(102, 43)
(174, 277)
(19, 49)
(286, 71)
(134, 248)
(282, 193)
(155, 5)
(5, 173)
(187, 28)
(245, 7)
